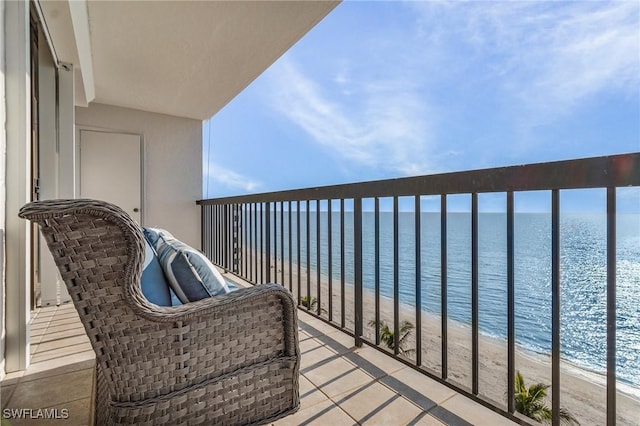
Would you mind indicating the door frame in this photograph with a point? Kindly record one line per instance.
(143, 161)
(35, 27)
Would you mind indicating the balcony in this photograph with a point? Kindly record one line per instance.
(450, 276)
(339, 384)
(348, 271)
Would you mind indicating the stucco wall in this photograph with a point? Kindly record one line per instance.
(173, 164)
(3, 147)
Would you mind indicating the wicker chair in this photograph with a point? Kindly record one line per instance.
(231, 359)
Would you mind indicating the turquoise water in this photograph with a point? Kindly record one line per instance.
(583, 276)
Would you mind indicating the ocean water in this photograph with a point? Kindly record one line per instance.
(582, 265)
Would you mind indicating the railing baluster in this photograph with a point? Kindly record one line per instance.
(418, 261)
(474, 293)
(209, 228)
(261, 250)
(267, 237)
(298, 250)
(318, 259)
(282, 242)
(555, 306)
(229, 221)
(308, 258)
(252, 235)
(273, 265)
(214, 236)
(443, 282)
(377, 266)
(225, 230)
(342, 304)
(290, 252)
(259, 241)
(222, 252)
(396, 279)
(216, 233)
(226, 237)
(611, 306)
(357, 264)
(511, 327)
(330, 258)
(232, 238)
(203, 226)
(221, 235)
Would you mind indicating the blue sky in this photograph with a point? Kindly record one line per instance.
(390, 89)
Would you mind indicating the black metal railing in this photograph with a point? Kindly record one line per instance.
(312, 242)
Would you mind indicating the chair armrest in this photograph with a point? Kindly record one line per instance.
(222, 334)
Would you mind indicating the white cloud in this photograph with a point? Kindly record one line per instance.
(458, 79)
(548, 55)
(592, 51)
(230, 179)
(384, 129)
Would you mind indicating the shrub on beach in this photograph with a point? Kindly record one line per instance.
(388, 338)
(530, 402)
(310, 303)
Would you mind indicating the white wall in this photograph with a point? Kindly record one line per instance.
(172, 164)
(17, 187)
(3, 147)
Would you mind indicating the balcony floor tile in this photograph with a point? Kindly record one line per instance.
(322, 414)
(466, 408)
(336, 377)
(375, 404)
(339, 383)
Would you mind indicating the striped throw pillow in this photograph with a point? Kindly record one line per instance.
(190, 274)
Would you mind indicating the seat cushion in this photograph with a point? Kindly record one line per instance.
(190, 274)
(153, 283)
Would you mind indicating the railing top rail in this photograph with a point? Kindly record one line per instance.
(597, 172)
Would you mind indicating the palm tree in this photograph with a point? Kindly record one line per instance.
(310, 303)
(530, 402)
(388, 338)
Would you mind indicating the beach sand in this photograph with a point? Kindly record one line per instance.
(583, 392)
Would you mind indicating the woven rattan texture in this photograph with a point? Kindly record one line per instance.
(231, 359)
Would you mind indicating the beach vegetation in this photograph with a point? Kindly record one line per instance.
(387, 336)
(531, 402)
(311, 303)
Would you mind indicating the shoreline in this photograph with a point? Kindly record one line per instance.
(583, 390)
(590, 374)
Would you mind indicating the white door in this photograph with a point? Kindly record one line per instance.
(110, 169)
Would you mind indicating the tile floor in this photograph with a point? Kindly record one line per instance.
(339, 383)
(60, 377)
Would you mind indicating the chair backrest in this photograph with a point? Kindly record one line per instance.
(99, 251)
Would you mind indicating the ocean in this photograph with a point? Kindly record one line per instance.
(582, 265)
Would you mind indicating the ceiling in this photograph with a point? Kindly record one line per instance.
(183, 58)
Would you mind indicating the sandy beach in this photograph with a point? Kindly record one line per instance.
(583, 392)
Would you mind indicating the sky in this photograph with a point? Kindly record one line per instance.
(383, 90)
